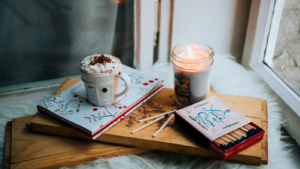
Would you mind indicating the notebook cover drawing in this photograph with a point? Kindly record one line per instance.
(71, 105)
(213, 118)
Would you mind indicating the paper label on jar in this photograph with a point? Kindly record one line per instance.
(182, 86)
(213, 117)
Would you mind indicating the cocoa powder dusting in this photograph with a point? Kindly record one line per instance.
(101, 59)
(162, 122)
(146, 112)
(150, 103)
(131, 121)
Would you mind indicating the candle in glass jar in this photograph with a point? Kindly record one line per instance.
(192, 64)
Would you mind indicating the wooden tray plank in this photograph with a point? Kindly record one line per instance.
(248, 106)
(71, 159)
(264, 124)
(172, 138)
(7, 145)
(37, 150)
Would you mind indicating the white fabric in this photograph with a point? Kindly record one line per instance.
(228, 77)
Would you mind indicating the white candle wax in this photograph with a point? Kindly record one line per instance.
(191, 76)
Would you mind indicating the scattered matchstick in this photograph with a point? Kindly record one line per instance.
(148, 124)
(164, 114)
(161, 116)
(164, 125)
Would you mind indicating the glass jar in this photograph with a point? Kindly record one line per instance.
(192, 63)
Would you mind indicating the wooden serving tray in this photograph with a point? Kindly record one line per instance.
(172, 138)
(27, 149)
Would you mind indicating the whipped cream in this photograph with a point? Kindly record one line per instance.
(91, 63)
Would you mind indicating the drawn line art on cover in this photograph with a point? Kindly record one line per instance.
(226, 110)
(214, 118)
(100, 116)
(230, 125)
(63, 109)
(189, 111)
(198, 123)
(214, 130)
(209, 117)
(137, 78)
(201, 104)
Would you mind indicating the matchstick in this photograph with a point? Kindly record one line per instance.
(245, 133)
(225, 139)
(148, 124)
(250, 127)
(216, 140)
(234, 135)
(238, 133)
(237, 136)
(220, 140)
(164, 125)
(157, 115)
(244, 129)
(230, 138)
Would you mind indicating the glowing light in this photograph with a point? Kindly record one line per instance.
(190, 51)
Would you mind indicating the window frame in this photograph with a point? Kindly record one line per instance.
(262, 30)
(145, 34)
(144, 12)
(165, 30)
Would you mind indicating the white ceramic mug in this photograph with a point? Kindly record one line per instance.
(101, 88)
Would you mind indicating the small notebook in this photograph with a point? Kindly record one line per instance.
(72, 108)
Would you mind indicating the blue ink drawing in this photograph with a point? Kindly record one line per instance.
(209, 117)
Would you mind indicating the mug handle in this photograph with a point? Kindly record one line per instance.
(127, 81)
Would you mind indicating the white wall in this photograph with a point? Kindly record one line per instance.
(220, 24)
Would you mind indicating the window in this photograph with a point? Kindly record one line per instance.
(286, 53)
(271, 47)
(43, 40)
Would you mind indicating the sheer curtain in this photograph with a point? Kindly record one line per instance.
(43, 40)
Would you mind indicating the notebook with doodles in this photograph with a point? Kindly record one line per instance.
(72, 108)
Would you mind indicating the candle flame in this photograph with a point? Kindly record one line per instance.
(190, 52)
